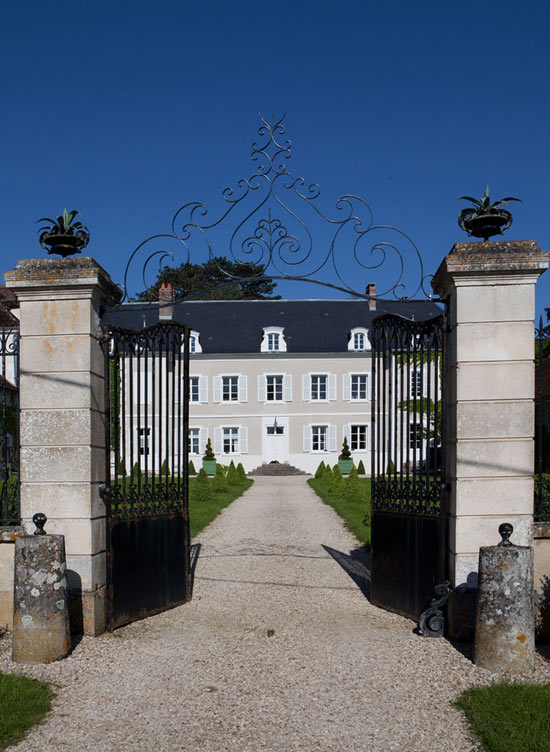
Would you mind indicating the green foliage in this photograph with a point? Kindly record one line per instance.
(390, 470)
(337, 481)
(241, 472)
(191, 468)
(326, 477)
(509, 716)
(64, 224)
(484, 205)
(23, 703)
(345, 454)
(355, 513)
(202, 489)
(214, 280)
(136, 471)
(320, 470)
(219, 482)
(202, 513)
(232, 475)
(361, 468)
(352, 488)
(209, 452)
(164, 470)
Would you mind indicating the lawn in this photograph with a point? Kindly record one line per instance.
(23, 703)
(354, 513)
(509, 717)
(201, 513)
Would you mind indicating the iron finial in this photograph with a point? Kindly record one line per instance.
(39, 520)
(505, 531)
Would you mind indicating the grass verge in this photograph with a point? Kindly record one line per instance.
(353, 513)
(201, 513)
(509, 717)
(23, 703)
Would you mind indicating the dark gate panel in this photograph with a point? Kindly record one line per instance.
(148, 547)
(9, 426)
(408, 530)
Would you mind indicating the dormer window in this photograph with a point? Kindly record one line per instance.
(194, 344)
(273, 339)
(359, 340)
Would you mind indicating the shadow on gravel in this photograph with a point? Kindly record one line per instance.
(356, 564)
(194, 557)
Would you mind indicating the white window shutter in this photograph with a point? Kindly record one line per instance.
(217, 397)
(307, 438)
(347, 433)
(287, 387)
(243, 388)
(203, 438)
(346, 387)
(306, 387)
(332, 386)
(243, 439)
(203, 389)
(332, 438)
(261, 388)
(218, 442)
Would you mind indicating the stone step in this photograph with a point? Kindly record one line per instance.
(277, 468)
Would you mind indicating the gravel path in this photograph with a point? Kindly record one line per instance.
(279, 650)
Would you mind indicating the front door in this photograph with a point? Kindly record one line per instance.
(275, 439)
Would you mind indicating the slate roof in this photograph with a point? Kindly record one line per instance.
(8, 301)
(310, 326)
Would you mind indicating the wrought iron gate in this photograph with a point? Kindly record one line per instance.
(408, 525)
(9, 426)
(146, 493)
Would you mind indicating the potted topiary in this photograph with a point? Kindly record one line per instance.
(345, 462)
(209, 459)
(485, 218)
(64, 235)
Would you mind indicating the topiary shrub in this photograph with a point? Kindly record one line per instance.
(232, 475)
(345, 453)
(337, 480)
(164, 470)
(361, 468)
(320, 470)
(241, 471)
(352, 488)
(192, 470)
(209, 452)
(219, 483)
(326, 477)
(202, 490)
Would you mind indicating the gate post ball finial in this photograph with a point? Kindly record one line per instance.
(39, 520)
(505, 531)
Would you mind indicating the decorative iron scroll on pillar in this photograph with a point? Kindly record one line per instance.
(261, 224)
(432, 621)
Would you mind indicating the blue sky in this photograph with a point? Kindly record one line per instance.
(126, 111)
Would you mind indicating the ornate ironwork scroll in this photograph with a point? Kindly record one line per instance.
(274, 221)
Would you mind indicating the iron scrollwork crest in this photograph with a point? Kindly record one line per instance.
(260, 224)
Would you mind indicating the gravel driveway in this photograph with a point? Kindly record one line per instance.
(279, 650)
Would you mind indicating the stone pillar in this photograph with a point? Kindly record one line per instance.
(490, 288)
(62, 435)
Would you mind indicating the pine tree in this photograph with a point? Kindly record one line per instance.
(192, 470)
(353, 490)
(219, 482)
(202, 490)
(241, 472)
(360, 468)
(320, 470)
(337, 480)
(326, 478)
(232, 475)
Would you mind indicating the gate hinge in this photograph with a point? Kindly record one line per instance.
(432, 621)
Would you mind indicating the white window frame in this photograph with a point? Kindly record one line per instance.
(347, 381)
(195, 431)
(194, 343)
(416, 377)
(330, 438)
(348, 433)
(242, 439)
(307, 386)
(415, 437)
(144, 436)
(202, 390)
(281, 342)
(242, 388)
(358, 331)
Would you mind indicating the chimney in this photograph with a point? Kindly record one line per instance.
(371, 291)
(166, 302)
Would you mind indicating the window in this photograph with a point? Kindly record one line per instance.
(275, 430)
(194, 389)
(417, 383)
(194, 447)
(230, 440)
(359, 340)
(415, 435)
(230, 388)
(143, 438)
(359, 386)
(274, 388)
(319, 387)
(359, 437)
(273, 339)
(319, 438)
(194, 343)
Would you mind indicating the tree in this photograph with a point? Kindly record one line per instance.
(210, 281)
